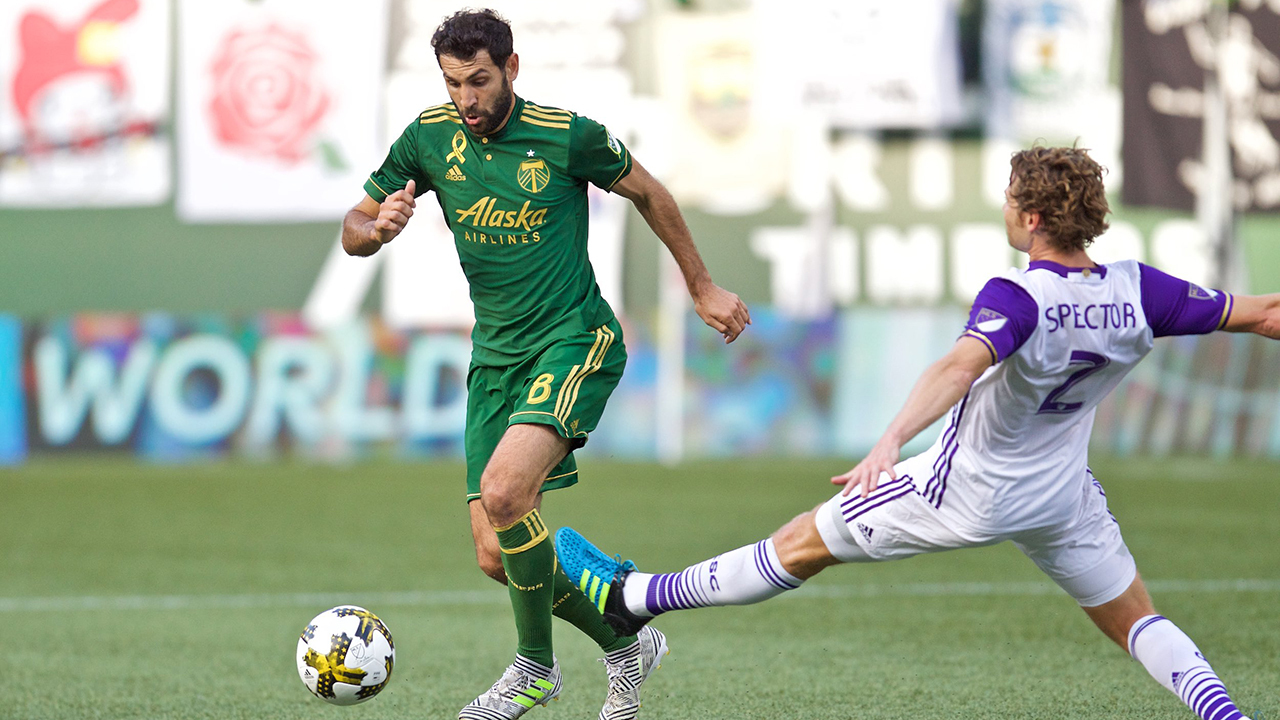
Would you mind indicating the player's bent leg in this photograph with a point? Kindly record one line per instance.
(509, 489)
(1165, 651)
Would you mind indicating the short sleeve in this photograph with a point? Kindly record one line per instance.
(1177, 307)
(399, 168)
(595, 155)
(1003, 316)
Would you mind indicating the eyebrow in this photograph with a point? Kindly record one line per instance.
(471, 76)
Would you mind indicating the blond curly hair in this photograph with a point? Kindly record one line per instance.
(1064, 185)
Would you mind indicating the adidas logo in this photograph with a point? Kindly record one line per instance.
(866, 531)
(1176, 678)
(454, 174)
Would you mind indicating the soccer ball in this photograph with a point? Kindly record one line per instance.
(345, 655)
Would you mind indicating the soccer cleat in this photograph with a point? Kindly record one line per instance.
(628, 669)
(515, 693)
(601, 578)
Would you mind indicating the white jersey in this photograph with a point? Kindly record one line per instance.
(1014, 451)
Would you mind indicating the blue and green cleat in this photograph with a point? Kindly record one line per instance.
(600, 577)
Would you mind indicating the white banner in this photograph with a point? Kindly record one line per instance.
(278, 108)
(86, 104)
(866, 64)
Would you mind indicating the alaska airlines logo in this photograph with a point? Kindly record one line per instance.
(485, 213)
(533, 175)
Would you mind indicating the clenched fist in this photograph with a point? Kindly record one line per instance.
(394, 214)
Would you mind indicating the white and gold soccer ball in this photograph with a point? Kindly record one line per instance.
(345, 655)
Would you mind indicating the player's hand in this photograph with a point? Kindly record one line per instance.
(723, 311)
(394, 214)
(866, 475)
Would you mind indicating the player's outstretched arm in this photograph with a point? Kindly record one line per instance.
(722, 310)
(938, 389)
(1259, 314)
(370, 225)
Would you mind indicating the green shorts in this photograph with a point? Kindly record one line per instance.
(565, 386)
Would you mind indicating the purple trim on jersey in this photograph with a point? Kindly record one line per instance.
(1133, 636)
(1063, 270)
(766, 569)
(1176, 307)
(937, 484)
(1003, 315)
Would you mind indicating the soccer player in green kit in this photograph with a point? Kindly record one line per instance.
(511, 178)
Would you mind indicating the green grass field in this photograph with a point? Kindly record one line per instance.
(135, 591)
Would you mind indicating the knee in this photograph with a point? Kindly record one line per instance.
(503, 504)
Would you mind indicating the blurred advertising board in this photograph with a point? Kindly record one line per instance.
(1168, 49)
(271, 125)
(86, 103)
(867, 64)
(1046, 68)
(178, 389)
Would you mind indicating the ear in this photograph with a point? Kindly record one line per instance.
(1031, 221)
(512, 67)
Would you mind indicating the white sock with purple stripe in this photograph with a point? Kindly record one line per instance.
(1176, 663)
(750, 574)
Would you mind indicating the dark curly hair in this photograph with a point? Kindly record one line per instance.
(1064, 185)
(467, 32)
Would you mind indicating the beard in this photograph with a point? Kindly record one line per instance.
(490, 119)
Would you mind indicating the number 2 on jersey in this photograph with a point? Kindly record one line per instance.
(1092, 362)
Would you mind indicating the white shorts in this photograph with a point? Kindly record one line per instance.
(1085, 555)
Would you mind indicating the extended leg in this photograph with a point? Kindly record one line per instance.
(749, 574)
(1165, 651)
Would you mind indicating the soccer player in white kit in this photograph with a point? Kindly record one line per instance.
(1041, 349)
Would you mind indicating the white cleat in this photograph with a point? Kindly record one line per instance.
(628, 669)
(516, 692)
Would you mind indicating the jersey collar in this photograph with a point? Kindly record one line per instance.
(1066, 272)
(516, 108)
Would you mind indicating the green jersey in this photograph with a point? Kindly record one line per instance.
(516, 202)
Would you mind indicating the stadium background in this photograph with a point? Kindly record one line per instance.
(194, 384)
(856, 218)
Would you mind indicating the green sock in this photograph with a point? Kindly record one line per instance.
(529, 559)
(572, 605)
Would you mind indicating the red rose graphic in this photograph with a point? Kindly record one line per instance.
(266, 95)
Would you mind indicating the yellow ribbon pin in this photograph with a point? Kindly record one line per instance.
(459, 144)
